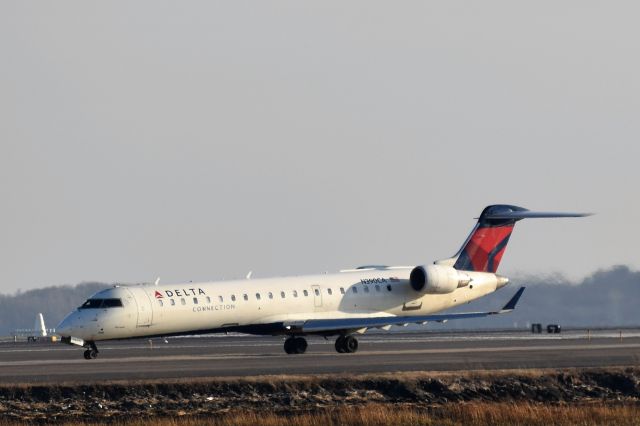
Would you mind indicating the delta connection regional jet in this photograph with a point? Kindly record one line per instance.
(340, 304)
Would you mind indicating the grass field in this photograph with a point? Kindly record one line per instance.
(471, 414)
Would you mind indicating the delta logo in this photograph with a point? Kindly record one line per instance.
(180, 293)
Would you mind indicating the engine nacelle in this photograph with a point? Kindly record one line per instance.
(437, 279)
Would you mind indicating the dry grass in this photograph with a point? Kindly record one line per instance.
(472, 414)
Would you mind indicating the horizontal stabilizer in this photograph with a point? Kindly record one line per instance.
(527, 214)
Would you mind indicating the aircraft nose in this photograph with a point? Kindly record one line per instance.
(65, 327)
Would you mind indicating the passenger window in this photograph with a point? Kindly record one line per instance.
(389, 287)
(184, 302)
(270, 295)
(258, 296)
(295, 293)
(233, 297)
(208, 299)
(221, 299)
(282, 294)
(195, 300)
(245, 297)
(342, 290)
(305, 292)
(329, 291)
(366, 289)
(355, 289)
(173, 302)
(377, 287)
(316, 291)
(160, 302)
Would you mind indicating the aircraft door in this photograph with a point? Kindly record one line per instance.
(317, 296)
(145, 313)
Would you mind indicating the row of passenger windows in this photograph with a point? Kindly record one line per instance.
(270, 295)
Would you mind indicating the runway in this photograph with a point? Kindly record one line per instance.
(225, 356)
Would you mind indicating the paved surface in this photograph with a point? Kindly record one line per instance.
(248, 356)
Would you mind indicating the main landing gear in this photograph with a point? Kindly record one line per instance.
(298, 345)
(92, 352)
(346, 344)
(295, 345)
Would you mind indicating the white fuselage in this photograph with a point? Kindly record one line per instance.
(253, 304)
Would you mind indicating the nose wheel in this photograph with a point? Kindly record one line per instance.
(92, 352)
(346, 344)
(295, 345)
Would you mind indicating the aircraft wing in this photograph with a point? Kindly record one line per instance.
(324, 325)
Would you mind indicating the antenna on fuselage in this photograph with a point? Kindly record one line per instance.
(157, 281)
(249, 275)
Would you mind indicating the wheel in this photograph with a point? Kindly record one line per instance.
(340, 344)
(300, 345)
(295, 345)
(91, 352)
(289, 345)
(350, 344)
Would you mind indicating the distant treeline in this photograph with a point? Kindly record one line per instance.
(605, 298)
(19, 310)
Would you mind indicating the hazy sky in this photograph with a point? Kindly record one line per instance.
(201, 140)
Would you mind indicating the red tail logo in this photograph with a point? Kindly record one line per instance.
(485, 248)
(159, 295)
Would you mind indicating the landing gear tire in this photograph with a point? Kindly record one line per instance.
(346, 344)
(295, 345)
(92, 352)
(350, 344)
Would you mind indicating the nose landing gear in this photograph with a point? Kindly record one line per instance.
(346, 344)
(295, 345)
(92, 352)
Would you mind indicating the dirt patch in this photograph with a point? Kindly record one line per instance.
(143, 400)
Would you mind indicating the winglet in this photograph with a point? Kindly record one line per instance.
(511, 304)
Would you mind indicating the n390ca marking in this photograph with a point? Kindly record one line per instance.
(340, 304)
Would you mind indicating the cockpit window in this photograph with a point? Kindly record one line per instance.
(91, 304)
(111, 303)
(101, 304)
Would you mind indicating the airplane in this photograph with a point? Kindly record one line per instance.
(340, 304)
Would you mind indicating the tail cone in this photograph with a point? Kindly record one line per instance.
(502, 281)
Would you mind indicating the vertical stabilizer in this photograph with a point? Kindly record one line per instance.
(39, 328)
(485, 246)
